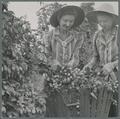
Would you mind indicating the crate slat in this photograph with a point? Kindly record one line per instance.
(82, 102)
(85, 101)
(88, 103)
(108, 104)
(93, 107)
(104, 102)
(99, 103)
(89, 106)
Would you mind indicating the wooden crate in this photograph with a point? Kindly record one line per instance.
(88, 105)
(92, 107)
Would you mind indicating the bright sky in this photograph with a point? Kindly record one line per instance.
(29, 9)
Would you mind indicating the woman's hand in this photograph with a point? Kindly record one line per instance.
(70, 64)
(107, 69)
(55, 64)
(85, 67)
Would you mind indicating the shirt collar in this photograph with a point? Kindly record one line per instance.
(57, 31)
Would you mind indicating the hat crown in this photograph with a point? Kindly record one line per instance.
(106, 8)
(75, 10)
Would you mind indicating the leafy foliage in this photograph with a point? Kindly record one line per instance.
(44, 14)
(24, 68)
(20, 69)
(24, 63)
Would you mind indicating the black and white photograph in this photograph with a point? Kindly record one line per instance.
(60, 59)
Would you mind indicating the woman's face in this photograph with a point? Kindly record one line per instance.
(66, 22)
(105, 21)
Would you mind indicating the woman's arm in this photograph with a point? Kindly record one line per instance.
(115, 59)
(75, 59)
(51, 59)
(95, 59)
(113, 65)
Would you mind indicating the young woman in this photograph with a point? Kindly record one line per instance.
(105, 41)
(63, 45)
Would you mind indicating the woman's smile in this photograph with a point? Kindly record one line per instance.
(67, 21)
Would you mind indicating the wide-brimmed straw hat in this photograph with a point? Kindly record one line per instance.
(103, 9)
(79, 15)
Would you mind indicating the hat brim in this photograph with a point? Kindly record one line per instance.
(92, 16)
(79, 17)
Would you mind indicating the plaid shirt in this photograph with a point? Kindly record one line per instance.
(105, 50)
(64, 50)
